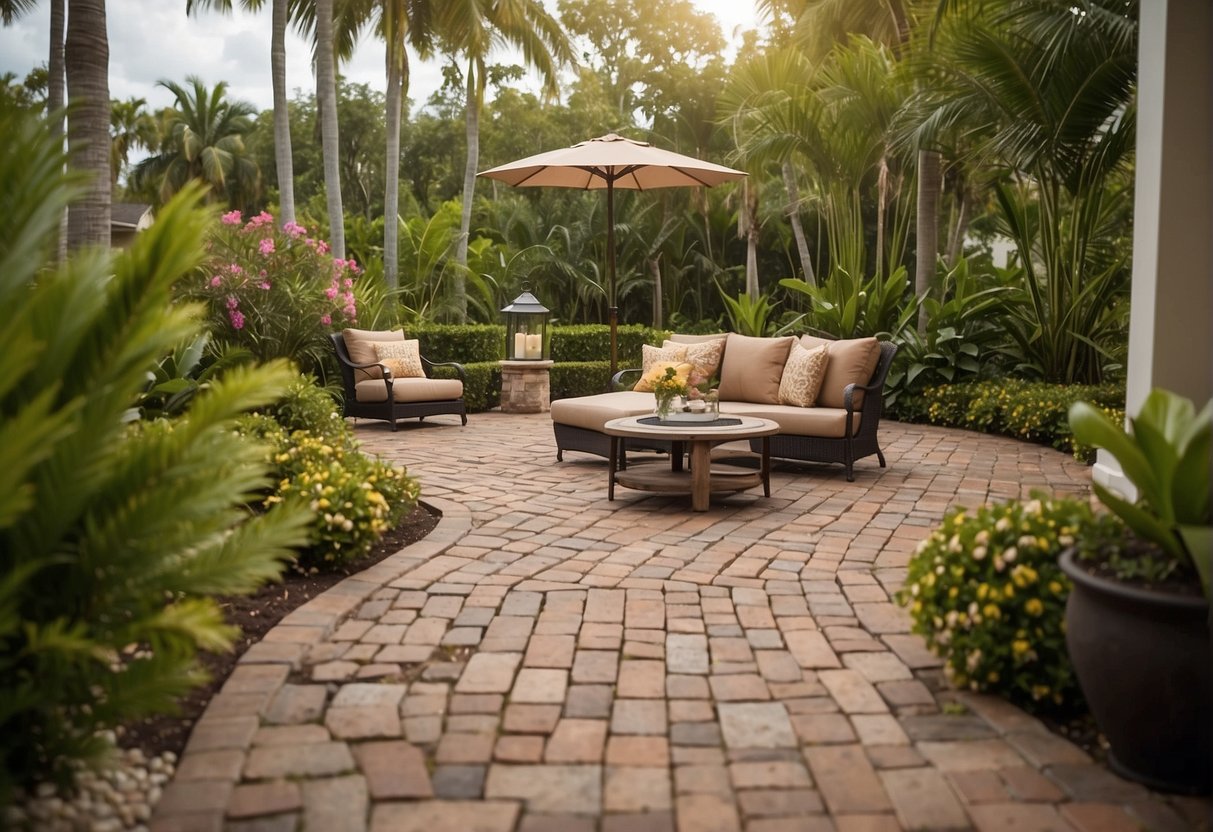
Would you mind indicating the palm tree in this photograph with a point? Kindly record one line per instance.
(471, 29)
(86, 61)
(283, 162)
(130, 127)
(326, 105)
(206, 142)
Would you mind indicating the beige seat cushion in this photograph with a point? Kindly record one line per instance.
(752, 368)
(359, 343)
(704, 356)
(852, 361)
(410, 390)
(823, 422)
(403, 358)
(802, 375)
(592, 412)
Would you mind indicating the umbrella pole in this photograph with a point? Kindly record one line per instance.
(612, 310)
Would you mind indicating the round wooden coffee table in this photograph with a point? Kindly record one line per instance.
(702, 480)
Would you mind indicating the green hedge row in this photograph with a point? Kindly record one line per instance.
(481, 384)
(1033, 411)
(473, 343)
(580, 378)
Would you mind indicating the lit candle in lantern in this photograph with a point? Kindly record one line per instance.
(520, 345)
(534, 346)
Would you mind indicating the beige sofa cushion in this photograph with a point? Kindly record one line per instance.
(823, 422)
(410, 390)
(592, 412)
(802, 375)
(852, 361)
(752, 368)
(403, 358)
(704, 356)
(359, 343)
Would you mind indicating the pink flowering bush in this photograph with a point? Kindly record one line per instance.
(276, 292)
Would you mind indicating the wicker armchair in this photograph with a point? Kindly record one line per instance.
(392, 399)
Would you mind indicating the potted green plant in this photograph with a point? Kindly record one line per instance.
(1138, 617)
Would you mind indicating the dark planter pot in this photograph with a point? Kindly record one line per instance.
(1142, 659)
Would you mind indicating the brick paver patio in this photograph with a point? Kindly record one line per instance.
(548, 660)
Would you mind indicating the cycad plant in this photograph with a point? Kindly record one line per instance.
(112, 534)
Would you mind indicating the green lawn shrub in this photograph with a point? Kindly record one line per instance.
(1032, 411)
(986, 591)
(464, 343)
(113, 534)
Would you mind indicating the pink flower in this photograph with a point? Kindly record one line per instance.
(352, 265)
(231, 218)
(330, 293)
(326, 319)
(265, 284)
(350, 311)
(322, 247)
(237, 318)
(232, 303)
(235, 268)
(216, 280)
(294, 229)
(348, 283)
(261, 219)
(266, 247)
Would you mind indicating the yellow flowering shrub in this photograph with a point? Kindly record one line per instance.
(354, 499)
(986, 591)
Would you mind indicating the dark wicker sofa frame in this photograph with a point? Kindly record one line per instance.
(845, 449)
(392, 410)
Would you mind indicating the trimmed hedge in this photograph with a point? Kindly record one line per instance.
(481, 386)
(1033, 411)
(592, 342)
(465, 343)
(580, 378)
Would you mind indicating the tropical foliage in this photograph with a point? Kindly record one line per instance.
(112, 535)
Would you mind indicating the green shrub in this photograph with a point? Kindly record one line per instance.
(112, 535)
(592, 342)
(1033, 411)
(986, 591)
(351, 498)
(307, 407)
(580, 378)
(464, 343)
(481, 384)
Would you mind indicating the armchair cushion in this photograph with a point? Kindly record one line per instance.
(359, 343)
(403, 358)
(410, 390)
(752, 368)
(852, 361)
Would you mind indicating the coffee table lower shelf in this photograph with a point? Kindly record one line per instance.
(657, 478)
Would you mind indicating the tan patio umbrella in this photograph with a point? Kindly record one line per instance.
(612, 162)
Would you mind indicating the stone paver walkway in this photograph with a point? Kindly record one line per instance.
(548, 660)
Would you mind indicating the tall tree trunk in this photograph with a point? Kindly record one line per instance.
(930, 182)
(750, 214)
(882, 201)
(55, 102)
(283, 162)
(326, 97)
(474, 88)
(802, 243)
(391, 187)
(86, 60)
(658, 296)
(957, 238)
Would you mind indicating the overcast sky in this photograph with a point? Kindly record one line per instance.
(153, 39)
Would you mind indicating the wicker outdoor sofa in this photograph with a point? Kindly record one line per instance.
(840, 427)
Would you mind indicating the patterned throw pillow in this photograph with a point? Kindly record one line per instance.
(650, 355)
(645, 385)
(403, 358)
(704, 356)
(802, 375)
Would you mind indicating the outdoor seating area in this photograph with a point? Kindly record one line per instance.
(550, 660)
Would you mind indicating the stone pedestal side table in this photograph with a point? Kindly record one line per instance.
(526, 386)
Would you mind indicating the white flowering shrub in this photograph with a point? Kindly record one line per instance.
(986, 591)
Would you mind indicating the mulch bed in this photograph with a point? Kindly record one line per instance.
(255, 615)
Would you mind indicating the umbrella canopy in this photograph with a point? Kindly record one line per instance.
(609, 162)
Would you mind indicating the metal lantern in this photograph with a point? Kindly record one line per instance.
(526, 329)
